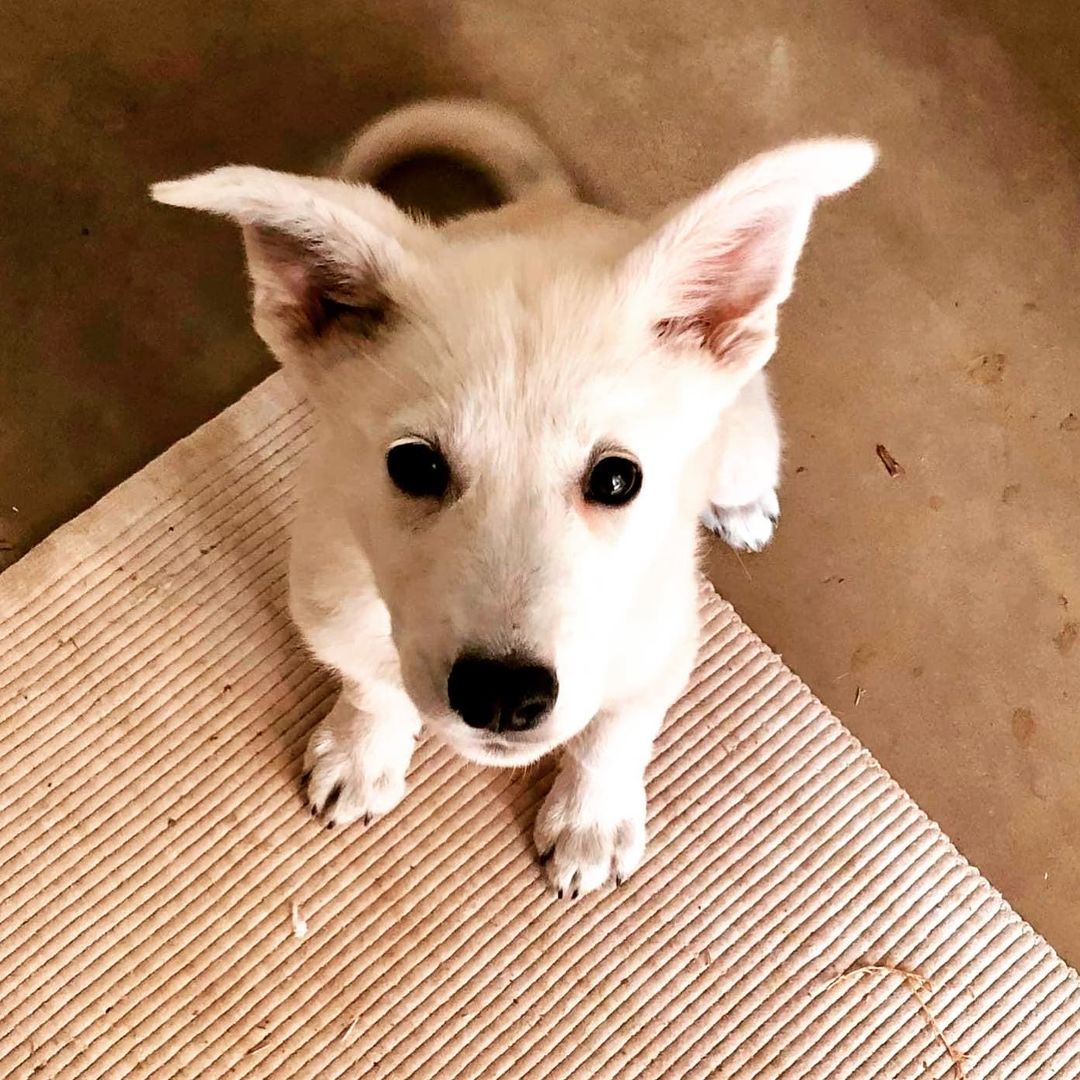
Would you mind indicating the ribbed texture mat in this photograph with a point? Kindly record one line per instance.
(154, 705)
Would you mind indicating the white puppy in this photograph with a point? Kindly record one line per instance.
(520, 418)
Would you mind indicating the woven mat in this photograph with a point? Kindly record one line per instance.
(153, 852)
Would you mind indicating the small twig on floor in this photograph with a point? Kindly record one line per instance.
(743, 565)
(918, 985)
(892, 466)
(347, 1034)
(910, 977)
(858, 695)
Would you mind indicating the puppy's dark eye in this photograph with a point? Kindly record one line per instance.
(418, 469)
(613, 481)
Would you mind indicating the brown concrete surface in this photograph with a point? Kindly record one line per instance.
(937, 612)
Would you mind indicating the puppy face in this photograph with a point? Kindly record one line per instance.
(513, 474)
(515, 429)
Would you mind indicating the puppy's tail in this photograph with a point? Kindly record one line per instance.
(486, 136)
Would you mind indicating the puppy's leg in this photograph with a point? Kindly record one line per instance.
(357, 757)
(591, 828)
(743, 508)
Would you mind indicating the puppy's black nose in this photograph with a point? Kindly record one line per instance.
(505, 695)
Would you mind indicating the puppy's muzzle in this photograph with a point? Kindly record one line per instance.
(505, 695)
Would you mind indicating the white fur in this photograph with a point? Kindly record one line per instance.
(520, 341)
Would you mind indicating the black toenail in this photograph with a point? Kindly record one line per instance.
(329, 825)
(559, 893)
(367, 819)
(619, 879)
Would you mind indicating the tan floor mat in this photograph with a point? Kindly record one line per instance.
(153, 709)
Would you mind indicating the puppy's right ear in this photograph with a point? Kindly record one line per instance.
(322, 254)
(712, 277)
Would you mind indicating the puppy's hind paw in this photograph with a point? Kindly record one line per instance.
(745, 528)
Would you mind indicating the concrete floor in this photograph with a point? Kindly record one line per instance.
(937, 612)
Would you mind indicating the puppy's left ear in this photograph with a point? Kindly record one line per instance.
(714, 275)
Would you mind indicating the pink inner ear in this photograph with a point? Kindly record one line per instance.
(745, 270)
(277, 261)
(295, 281)
(308, 294)
(283, 272)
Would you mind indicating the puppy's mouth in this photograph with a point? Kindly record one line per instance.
(497, 750)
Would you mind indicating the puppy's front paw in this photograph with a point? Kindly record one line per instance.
(355, 770)
(745, 528)
(589, 832)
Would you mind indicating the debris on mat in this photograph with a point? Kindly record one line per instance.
(299, 923)
(918, 985)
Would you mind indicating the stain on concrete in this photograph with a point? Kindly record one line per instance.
(1010, 493)
(1065, 638)
(1023, 726)
(862, 656)
(935, 502)
(988, 370)
(1070, 423)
